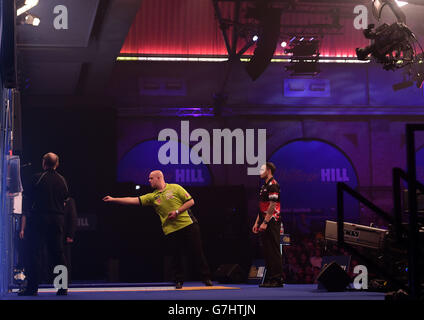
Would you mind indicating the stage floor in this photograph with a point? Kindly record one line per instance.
(197, 291)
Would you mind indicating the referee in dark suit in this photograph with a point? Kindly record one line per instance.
(47, 194)
(71, 219)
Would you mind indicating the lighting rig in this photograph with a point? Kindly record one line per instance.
(304, 53)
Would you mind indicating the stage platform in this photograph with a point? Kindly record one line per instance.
(197, 291)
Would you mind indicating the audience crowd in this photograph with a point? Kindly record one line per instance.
(303, 258)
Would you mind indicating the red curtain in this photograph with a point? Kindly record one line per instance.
(189, 27)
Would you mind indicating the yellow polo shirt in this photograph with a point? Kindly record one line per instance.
(169, 199)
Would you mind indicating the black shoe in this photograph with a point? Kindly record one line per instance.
(265, 284)
(208, 283)
(27, 293)
(178, 285)
(277, 284)
(62, 292)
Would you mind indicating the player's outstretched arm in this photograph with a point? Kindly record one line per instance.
(124, 201)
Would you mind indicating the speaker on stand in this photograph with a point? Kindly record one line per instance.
(229, 273)
(334, 278)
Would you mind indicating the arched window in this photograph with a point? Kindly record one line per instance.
(308, 172)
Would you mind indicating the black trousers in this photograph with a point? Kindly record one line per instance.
(271, 250)
(67, 250)
(187, 240)
(44, 230)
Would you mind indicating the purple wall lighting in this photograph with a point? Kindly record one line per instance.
(136, 165)
(195, 112)
(307, 88)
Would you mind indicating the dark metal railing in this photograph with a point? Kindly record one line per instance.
(398, 175)
(341, 189)
(414, 279)
(413, 250)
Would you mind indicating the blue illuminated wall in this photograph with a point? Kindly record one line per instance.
(8, 79)
(5, 210)
(3, 260)
(341, 85)
(3, 256)
(360, 151)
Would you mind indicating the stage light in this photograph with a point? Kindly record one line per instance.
(137, 187)
(284, 44)
(304, 49)
(29, 4)
(255, 38)
(401, 3)
(32, 20)
(305, 56)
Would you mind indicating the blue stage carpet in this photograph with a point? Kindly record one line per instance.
(197, 291)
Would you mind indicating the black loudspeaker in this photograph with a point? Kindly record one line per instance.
(14, 183)
(334, 278)
(229, 273)
(269, 21)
